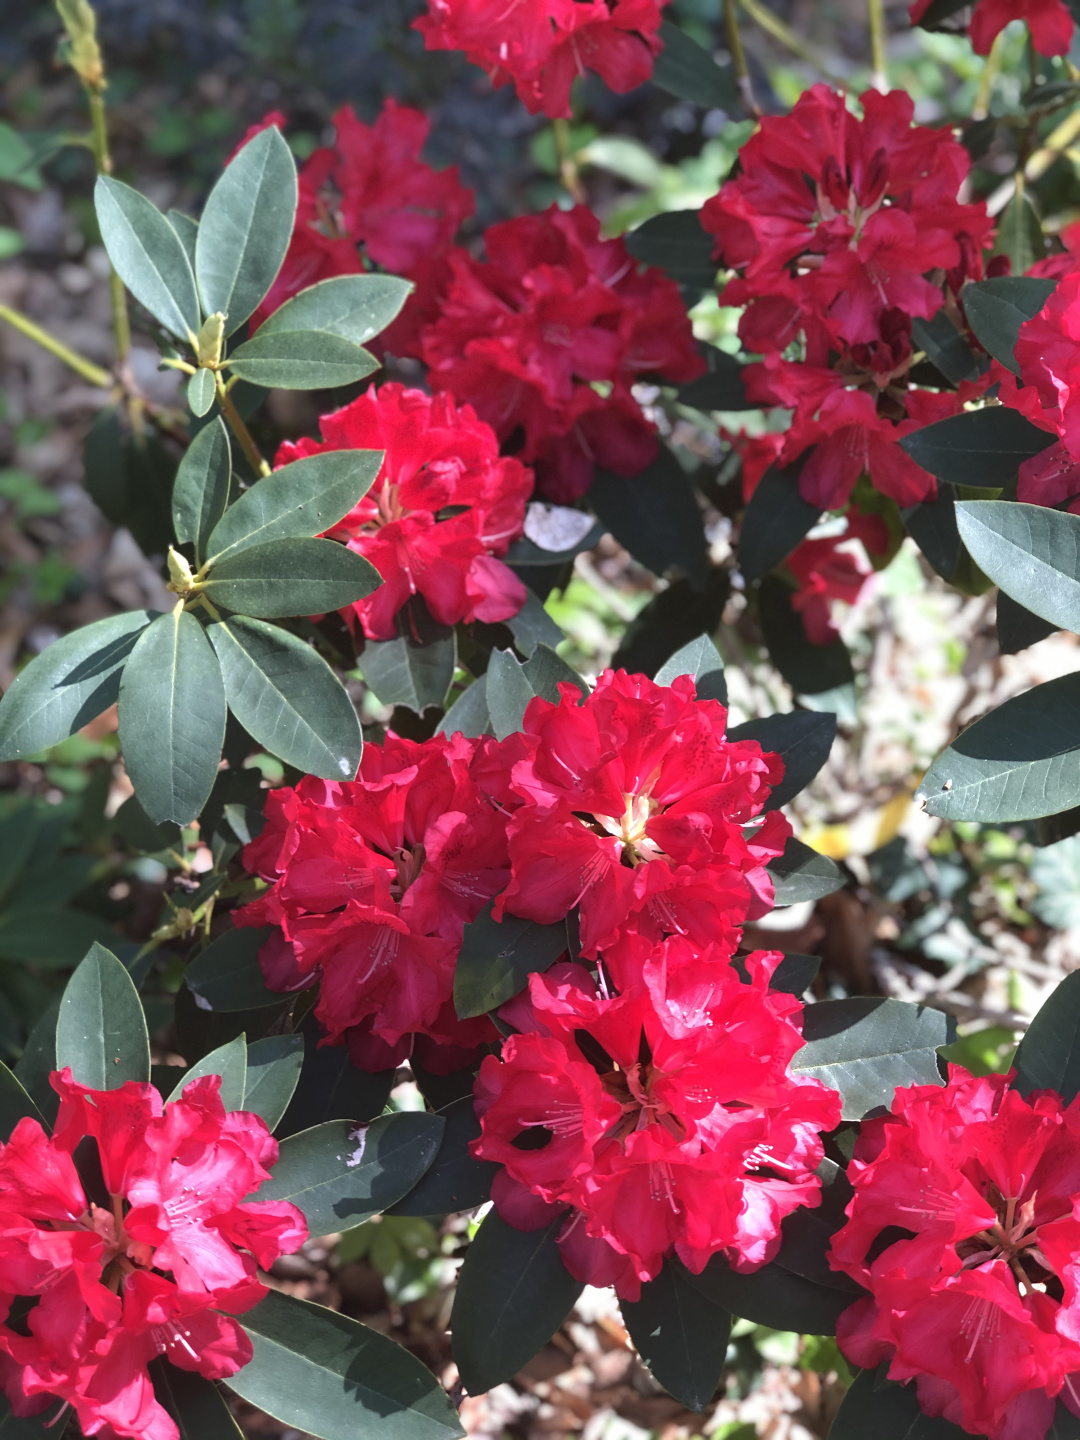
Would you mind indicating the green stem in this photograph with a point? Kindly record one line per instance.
(784, 35)
(876, 14)
(738, 58)
(103, 161)
(240, 430)
(568, 169)
(79, 363)
(990, 71)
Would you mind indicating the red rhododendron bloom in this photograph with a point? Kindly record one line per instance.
(661, 1119)
(834, 568)
(443, 507)
(374, 882)
(1049, 21)
(635, 807)
(543, 45)
(554, 311)
(976, 1296)
(147, 1276)
(1049, 394)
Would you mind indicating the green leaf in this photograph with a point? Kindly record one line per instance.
(68, 684)
(1032, 552)
(1020, 762)
(777, 519)
(49, 937)
(675, 243)
(227, 976)
(331, 1087)
(1018, 628)
(287, 698)
(497, 958)
(130, 480)
(38, 1061)
(148, 255)
(334, 1378)
(290, 577)
(201, 389)
(301, 360)
(809, 669)
(172, 718)
(932, 525)
(980, 447)
(187, 232)
(201, 490)
(701, 661)
(1019, 235)
(355, 307)
(302, 499)
(656, 516)
(15, 1105)
(512, 686)
(996, 309)
(939, 10)
(101, 1029)
(454, 1181)
(720, 388)
(945, 346)
(417, 668)
(340, 1176)
(273, 1071)
(877, 1407)
(245, 228)
(802, 874)
(468, 715)
(513, 1293)
(795, 973)
(526, 553)
(680, 1335)
(230, 1062)
(532, 626)
(774, 1296)
(30, 1427)
(802, 739)
(196, 1405)
(684, 68)
(864, 1048)
(1048, 1057)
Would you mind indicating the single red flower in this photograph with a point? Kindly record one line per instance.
(834, 568)
(1049, 21)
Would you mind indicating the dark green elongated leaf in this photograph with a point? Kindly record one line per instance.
(777, 518)
(945, 346)
(1020, 762)
(1019, 234)
(340, 1176)
(802, 739)
(513, 1293)
(720, 388)
(52, 938)
(684, 68)
(879, 1408)
(273, 1071)
(773, 1296)
(290, 577)
(196, 1405)
(16, 1104)
(172, 718)
(532, 626)
(201, 489)
(1064, 1426)
(187, 231)
(526, 553)
(133, 824)
(701, 661)
(1048, 1057)
(333, 1377)
(795, 973)
(356, 307)
(38, 1061)
(148, 255)
(680, 1334)
(226, 976)
(100, 1028)
(996, 309)
(454, 1181)
(979, 447)
(802, 874)
(809, 669)
(302, 499)
(245, 228)
(287, 697)
(230, 1062)
(331, 1087)
(939, 10)
(416, 669)
(496, 960)
(676, 244)
(656, 516)
(932, 525)
(30, 1427)
(201, 389)
(68, 685)
(1018, 628)
(512, 686)
(1033, 553)
(468, 715)
(301, 360)
(865, 1048)
(130, 480)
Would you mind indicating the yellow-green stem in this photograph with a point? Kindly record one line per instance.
(991, 69)
(568, 169)
(240, 430)
(876, 14)
(738, 58)
(784, 35)
(103, 161)
(71, 358)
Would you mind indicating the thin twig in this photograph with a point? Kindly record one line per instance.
(981, 109)
(738, 58)
(71, 358)
(784, 35)
(240, 430)
(879, 79)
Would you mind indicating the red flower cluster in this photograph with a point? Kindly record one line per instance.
(660, 1119)
(1049, 21)
(979, 1301)
(442, 507)
(546, 338)
(150, 1274)
(374, 881)
(543, 45)
(839, 231)
(835, 567)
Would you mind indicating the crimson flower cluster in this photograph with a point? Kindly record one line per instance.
(148, 1273)
(839, 232)
(977, 1294)
(542, 46)
(546, 339)
(1049, 21)
(443, 507)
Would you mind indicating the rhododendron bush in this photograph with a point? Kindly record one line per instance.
(435, 854)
